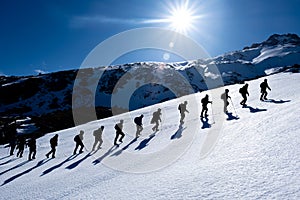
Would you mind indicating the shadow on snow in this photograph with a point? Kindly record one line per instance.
(124, 148)
(178, 133)
(75, 164)
(59, 165)
(15, 167)
(40, 163)
(8, 161)
(254, 110)
(231, 117)
(4, 157)
(145, 142)
(277, 101)
(98, 160)
(205, 123)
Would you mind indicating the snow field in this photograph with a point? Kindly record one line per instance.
(254, 157)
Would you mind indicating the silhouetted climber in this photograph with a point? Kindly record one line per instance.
(182, 109)
(263, 89)
(205, 101)
(78, 140)
(98, 138)
(119, 131)
(12, 132)
(244, 92)
(225, 97)
(12, 144)
(53, 144)
(31, 143)
(20, 146)
(156, 119)
(139, 125)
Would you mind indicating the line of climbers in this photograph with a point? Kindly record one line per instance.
(156, 118)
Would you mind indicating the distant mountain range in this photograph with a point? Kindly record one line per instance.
(46, 99)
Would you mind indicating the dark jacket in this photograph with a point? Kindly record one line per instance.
(182, 107)
(263, 86)
(138, 120)
(53, 141)
(98, 134)
(119, 127)
(21, 143)
(205, 101)
(78, 139)
(31, 144)
(244, 90)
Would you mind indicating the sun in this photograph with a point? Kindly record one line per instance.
(182, 18)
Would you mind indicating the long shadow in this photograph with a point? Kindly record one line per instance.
(145, 142)
(75, 164)
(4, 157)
(8, 161)
(15, 167)
(231, 117)
(205, 123)
(124, 148)
(98, 160)
(277, 101)
(40, 163)
(59, 165)
(178, 133)
(254, 110)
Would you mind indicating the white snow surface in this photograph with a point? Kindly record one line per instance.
(254, 157)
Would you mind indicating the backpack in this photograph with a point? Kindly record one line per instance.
(52, 141)
(261, 85)
(117, 127)
(241, 90)
(135, 120)
(179, 107)
(95, 133)
(223, 97)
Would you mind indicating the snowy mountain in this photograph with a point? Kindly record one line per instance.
(250, 153)
(47, 98)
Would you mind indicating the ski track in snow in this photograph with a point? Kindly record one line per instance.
(255, 157)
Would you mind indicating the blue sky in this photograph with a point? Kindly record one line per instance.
(46, 36)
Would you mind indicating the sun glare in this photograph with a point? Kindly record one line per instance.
(182, 18)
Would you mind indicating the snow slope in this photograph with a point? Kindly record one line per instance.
(254, 157)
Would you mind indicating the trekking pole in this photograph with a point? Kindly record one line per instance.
(233, 107)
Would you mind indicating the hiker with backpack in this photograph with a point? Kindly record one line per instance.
(12, 144)
(182, 109)
(244, 92)
(263, 89)
(98, 138)
(205, 101)
(119, 132)
(31, 143)
(53, 144)
(20, 146)
(139, 125)
(156, 119)
(78, 140)
(225, 97)
(12, 135)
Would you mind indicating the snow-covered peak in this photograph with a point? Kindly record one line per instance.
(278, 39)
